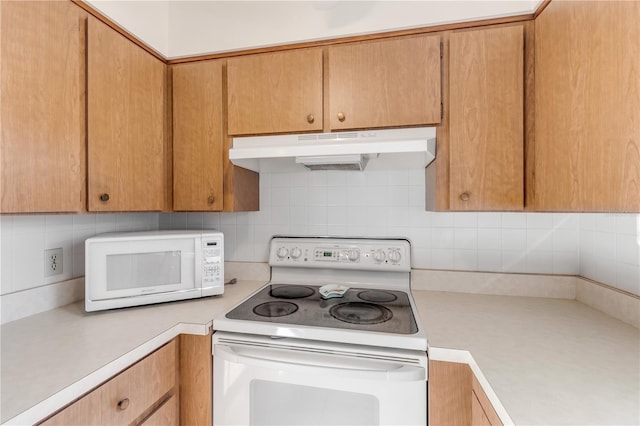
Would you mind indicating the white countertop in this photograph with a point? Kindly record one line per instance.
(549, 361)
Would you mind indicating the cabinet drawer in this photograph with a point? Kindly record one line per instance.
(165, 415)
(128, 397)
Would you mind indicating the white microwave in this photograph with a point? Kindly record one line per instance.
(139, 268)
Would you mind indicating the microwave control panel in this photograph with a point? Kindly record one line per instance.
(212, 261)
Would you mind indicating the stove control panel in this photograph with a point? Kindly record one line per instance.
(342, 253)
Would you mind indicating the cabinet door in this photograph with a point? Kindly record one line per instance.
(42, 79)
(197, 136)
(126, 123)
(275, 92)
(587, 95)
(389, 83)
(486, 93)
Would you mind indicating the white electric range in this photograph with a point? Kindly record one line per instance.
(334, 338)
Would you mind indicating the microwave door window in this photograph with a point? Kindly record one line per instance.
(141, 270)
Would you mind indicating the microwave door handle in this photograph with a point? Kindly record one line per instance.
(322, 364)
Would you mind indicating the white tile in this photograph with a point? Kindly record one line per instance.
(441, 220)
(377, 178)
(398, 177)
(416, 196)
(229, 232)
(418, 217)
(489, 260)
(539, 262)
(539, 239)
(299, 215)
(399, 196)
(442, 258)
(77, 251)
(336, 196)
(566, 263)
(628, 249)
(514, 220)
(337, 215)
(63, 240)
(356, 179)
(356, 196)
(628, 224)
(587, 221)
(6, 222)
(195, 221)
(565, 240)
(514, 239)
(164, 221)
(606, 222)
(59, 222)
(442, 238)
(514, 261)
(125, 222)
(489, 239)
(227, 219)
(465, 238)
(211, 221)
(357, 216)
(420, 237)
(317, 196)
(337, 178)
(321, 230)
(416, 177)
(378, 195)
(465, 220)
(337, 230)
(299, 196)
(179, 221)
(280, 196)
(28, 224)
(244, 218)
(421, 258)
(280, 215)
(318, 178)
(244, 243)
(628, 278)
(606, 244)
(399, 216)
(28, 260)
(280, 180)
(318, 216)
(566, 220)
(6, 260)
(606, 270)
(539, 220)
(465, 260)
(299, 178)
(489, 220)
(263, 216)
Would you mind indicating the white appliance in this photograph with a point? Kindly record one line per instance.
(352, 150)
(139, 268)
(333, 339)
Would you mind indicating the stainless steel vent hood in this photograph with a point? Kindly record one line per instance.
(410, 148)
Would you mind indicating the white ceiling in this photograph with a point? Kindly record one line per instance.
(178, 28)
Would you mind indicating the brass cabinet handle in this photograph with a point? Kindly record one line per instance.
(210, 200)
(465, 196)
(104, 197)
(123, 404)
(341, 116)
(310, 118)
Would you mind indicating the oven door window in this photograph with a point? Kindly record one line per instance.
(276, 386)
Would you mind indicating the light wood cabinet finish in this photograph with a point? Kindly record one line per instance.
(165, 415)
(126, 123)
(196, 380)
(42, 77)
(486, 76)
(275, 92)
(587, 84)
(386, 83)
(482, 402)
(130, 397)
(197, 136)
(478, 416)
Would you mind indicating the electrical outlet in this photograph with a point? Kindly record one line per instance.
(52, 262)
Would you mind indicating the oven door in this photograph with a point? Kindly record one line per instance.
(281, 384)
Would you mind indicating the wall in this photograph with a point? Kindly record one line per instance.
(377, 203)
(197, 27)
(147, 20)
(25, 237)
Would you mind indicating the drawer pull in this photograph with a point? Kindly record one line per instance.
(341, 116)
(465, 196)
(310, 118)
(104, 197)
(210, 200)
(123, 404)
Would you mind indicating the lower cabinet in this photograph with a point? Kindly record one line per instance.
(171, 386)
(456, 397)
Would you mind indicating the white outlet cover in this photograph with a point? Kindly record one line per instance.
(53, 262)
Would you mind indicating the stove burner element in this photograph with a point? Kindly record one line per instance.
(275, 309)
(291, 292)
(377, 296)
(360, 313)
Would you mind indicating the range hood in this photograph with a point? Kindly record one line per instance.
(410, 148)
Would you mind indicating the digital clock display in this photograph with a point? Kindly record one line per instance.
(327, 254)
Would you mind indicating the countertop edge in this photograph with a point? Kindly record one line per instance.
(465, 357)
(77, 389)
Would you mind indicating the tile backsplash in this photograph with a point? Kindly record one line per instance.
(603, 247)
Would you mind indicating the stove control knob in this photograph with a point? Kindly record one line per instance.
(282, 252)
(353, 255)
(379, 255)
(395, 256)
(296, 252)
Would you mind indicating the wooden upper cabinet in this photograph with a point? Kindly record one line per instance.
(42, 77)
(587, 95)
(197, 136)
(486, 93)
(275, 92)
(126, 124)
(387, 83)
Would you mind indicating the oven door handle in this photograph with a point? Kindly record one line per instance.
(309, 362)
